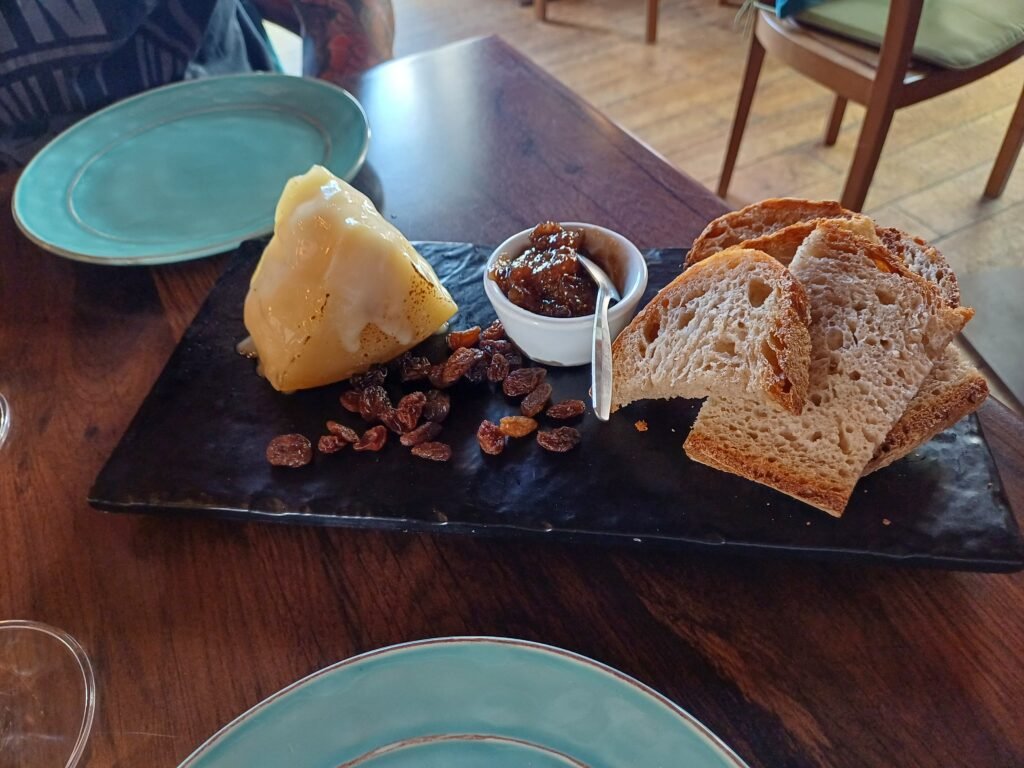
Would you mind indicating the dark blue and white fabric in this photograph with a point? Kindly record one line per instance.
(63, 59)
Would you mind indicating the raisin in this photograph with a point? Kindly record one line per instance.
(436, 376)
(515, 360)
(523, 381)
(411, 368)
(289, 451)
(409, 410)
(390, 420)
(496, 346)
(558, 440)
(491, 438)
(372, 378)
(347, 434)
(534, 402)
(374, 403)
(437, 407)
(458, 365)
(493, 332)
(498, 369)
(567, 409)
(517, 426)
(425, 432)
(478, 373)
(466, 338)
(373, 439)
(350, 400)
(331, 443)
(432, 451)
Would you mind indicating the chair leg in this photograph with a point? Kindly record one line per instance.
(652, 21)
(755, 57)
(835, 121)
(541, 9)
(1008, 153)
(865, 158)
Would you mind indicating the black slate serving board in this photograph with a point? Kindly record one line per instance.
(197, 446)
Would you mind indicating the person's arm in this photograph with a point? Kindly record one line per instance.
(339, 37)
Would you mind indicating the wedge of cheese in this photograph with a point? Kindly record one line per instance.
(338, 288)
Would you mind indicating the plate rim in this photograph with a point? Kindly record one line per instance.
(687, 719)
(178, 255)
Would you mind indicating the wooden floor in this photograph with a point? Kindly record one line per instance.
(678, 96)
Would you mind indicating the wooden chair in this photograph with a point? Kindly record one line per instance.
(882, 80)
(541, 7)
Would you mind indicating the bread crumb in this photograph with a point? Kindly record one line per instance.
(886, 521)
(641, 426)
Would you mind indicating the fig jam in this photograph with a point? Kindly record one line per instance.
(547, 278)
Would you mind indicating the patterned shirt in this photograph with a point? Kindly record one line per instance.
(62, 59)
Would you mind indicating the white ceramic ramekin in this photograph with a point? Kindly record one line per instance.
(566, 341)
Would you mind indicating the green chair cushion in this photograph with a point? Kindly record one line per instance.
(957, 34)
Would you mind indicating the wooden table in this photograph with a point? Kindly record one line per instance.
(190, 623)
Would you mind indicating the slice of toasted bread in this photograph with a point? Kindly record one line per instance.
(923, 259)
(778, 226)
(876, 329)
(760, 219)
(735, 323)
(953, 389)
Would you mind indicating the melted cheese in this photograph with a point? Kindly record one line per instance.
(338, 288)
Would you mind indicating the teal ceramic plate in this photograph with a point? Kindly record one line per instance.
(187, 170)
(466, 702)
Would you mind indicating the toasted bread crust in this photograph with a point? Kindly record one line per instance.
(728, 458)
(760, 219)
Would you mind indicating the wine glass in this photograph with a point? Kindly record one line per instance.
(5, 419)
(47, 696)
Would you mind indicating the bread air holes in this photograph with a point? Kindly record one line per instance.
(768, 352)
(844, 443)
(651, 327)
(683, 318)
(885, 296)
(834, 338)
(725, 347)
(886, 344)
(757, 291)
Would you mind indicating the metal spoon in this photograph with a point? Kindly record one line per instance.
(601, 359)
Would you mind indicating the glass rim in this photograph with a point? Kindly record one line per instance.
(80, 656)
(5, 419)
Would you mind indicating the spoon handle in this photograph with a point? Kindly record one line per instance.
(601, 366)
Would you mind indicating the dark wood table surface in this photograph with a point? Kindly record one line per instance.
(189, 623)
